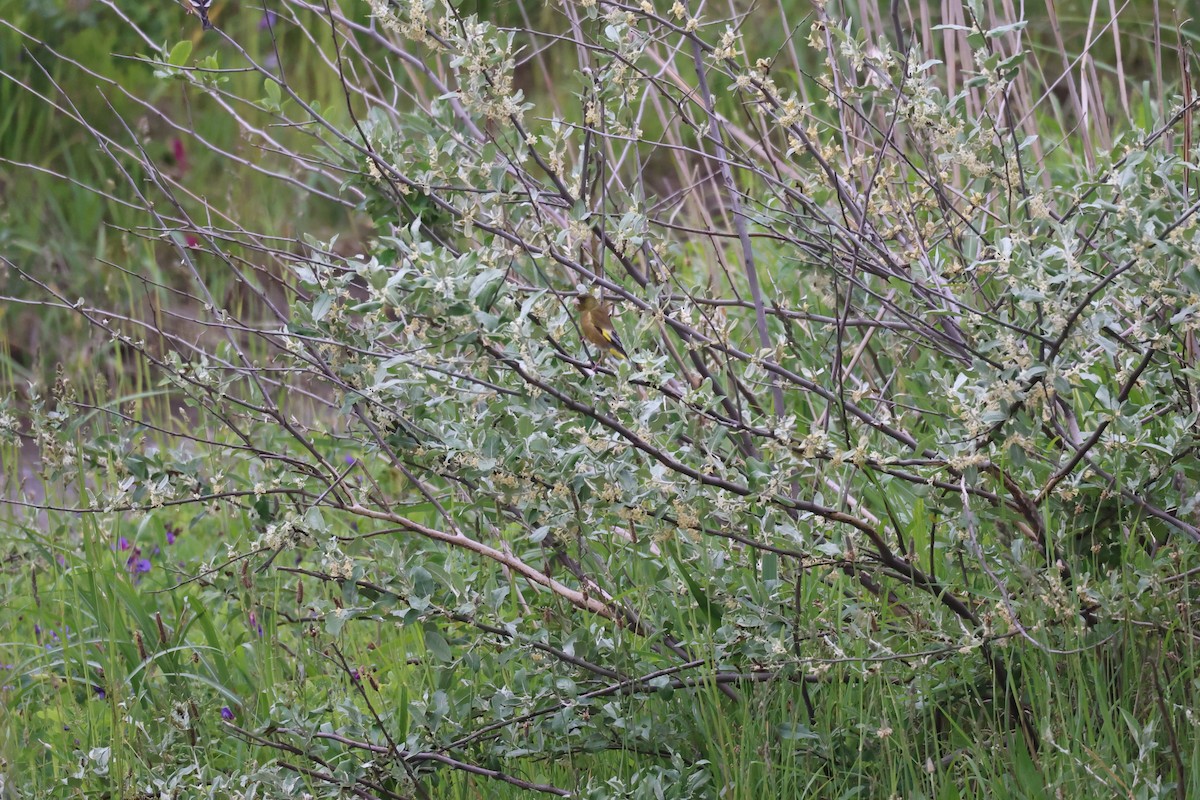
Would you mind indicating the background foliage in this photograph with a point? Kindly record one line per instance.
(313, 488)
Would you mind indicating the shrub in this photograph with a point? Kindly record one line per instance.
(895, 492)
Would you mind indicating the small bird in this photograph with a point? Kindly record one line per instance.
(202, 7)
(598, 328)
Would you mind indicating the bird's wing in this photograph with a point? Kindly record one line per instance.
(614, 341)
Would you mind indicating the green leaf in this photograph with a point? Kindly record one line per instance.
(272, 90)
(770, 567)
(402, 716)
(179, 53)
(314, 521)
(437, 645)
(321, 307)
(486, 286)
(710, 609)
(274, 99)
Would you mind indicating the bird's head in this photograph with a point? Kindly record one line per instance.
(587, 302)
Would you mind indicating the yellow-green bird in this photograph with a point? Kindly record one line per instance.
(598, 328)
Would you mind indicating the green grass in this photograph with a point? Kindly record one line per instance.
(98, 692)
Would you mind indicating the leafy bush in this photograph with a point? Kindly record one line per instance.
(895, 494)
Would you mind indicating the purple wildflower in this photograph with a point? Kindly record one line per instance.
(135, 564)
(226, 713)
